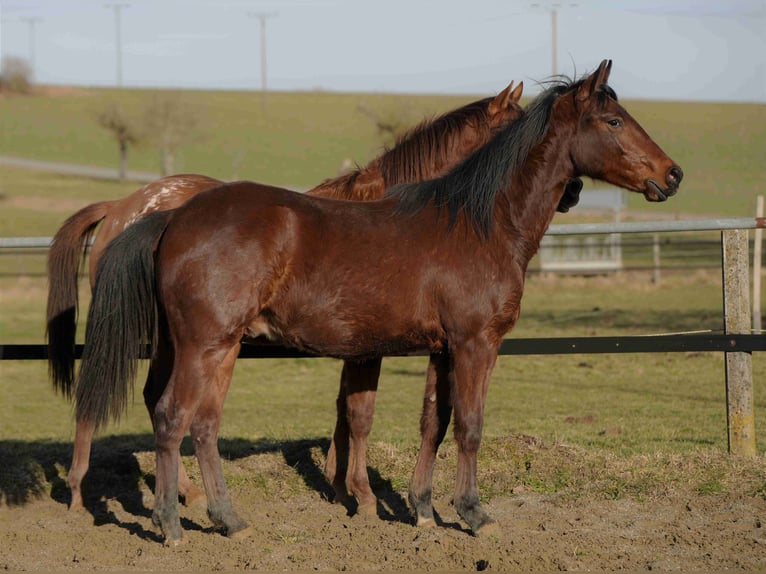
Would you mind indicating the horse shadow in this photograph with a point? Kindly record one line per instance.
(32, 470)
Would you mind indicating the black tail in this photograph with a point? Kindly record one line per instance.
(64, 258)
(121, 320)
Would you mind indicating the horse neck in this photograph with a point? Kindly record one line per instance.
(527, 206)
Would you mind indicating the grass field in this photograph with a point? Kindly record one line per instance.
(655, 412)
(299, 139)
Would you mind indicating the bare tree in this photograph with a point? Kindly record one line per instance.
(169, 122)
(115, 120)
(16, 77)
(391, 124)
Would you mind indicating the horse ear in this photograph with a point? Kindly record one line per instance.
(516, 94)
(501, 101)
(595, 80)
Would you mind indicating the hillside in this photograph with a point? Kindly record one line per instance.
(299, 139)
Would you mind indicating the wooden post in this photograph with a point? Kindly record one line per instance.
(739, 365)
(656, 258)
(757, 246)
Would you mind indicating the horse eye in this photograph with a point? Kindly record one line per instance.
(614, 123)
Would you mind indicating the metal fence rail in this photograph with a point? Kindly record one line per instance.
(716, 224)
(737, 342)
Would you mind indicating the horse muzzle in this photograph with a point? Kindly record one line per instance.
(655, 192)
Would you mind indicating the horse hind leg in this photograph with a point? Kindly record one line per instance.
(83, 438)
(204, 430)
(193, 375)
(156, 381)
(437, 410)
(336, 464)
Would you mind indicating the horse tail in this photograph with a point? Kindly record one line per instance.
(122, 320)
(66, 253)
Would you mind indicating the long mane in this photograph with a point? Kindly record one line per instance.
(430, 141)
(471, 187)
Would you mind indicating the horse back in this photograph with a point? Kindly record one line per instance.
(249, 257)
(159, 195)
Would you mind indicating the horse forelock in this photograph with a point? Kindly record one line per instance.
(433, 142)
(471, 188)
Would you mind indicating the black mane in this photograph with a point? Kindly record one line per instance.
(471, 186)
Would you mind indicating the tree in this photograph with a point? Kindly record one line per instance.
(115, 120)
(391, 124)
(16, 77)
(169, 121)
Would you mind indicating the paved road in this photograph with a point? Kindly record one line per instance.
(75, 169)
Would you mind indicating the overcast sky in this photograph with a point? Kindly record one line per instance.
(673, 49)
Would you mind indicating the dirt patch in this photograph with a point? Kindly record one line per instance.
(297, 528)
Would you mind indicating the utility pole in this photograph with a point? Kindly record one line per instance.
(262, 16)
(118, 37)
(553, 7)
(2, 62)
(31, 22)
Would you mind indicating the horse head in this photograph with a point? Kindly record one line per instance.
(611, 146)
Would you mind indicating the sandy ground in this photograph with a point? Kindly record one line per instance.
(299, 529)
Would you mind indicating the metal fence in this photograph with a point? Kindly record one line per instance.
(738, 342)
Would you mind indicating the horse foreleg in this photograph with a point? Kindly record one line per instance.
(472, 364)
(204, 431)
(361, 384)
(336, 465)
(83, 438)
(437, 409)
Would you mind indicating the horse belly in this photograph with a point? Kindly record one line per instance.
(350, 333)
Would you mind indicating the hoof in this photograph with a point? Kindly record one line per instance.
(489, 528)
(426, 522)
(369, 509)
(342, 498)
(240, 534)
(174, 542)
(195, 497)
(76, 506)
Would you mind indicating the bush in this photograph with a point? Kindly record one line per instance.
(16, 77)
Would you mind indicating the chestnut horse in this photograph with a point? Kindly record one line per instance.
(436, 266)
(424, 152)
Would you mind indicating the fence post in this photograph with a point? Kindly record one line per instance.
(656, 258)
(757, 246)
(739, 365)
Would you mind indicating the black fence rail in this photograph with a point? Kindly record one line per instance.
(682, 343)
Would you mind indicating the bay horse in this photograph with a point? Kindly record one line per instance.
(423, 152)
(436, 266)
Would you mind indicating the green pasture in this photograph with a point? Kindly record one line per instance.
(613, 425)
(300, 139)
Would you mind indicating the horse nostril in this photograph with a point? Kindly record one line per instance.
(675, 175)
